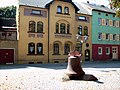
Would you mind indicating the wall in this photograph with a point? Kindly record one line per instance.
(25, 37)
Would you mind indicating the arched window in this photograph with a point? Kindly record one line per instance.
(59, 9)
(62, 28)
(66, 10)
(40, 27)
(67, 48)
(68, 28)
(80, 30)
(56, 48)
(31, 26)
(57, 27)
(39, 48)
(31, 48)
(85, 30)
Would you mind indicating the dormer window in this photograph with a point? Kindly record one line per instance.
(82, 18)
(59, 9)
(66, 10)
(36, 12)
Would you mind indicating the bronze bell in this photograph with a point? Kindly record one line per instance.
(74, 69)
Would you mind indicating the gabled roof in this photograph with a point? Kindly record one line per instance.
(82, 9)
(93, 7)
(43, 3)
(69, 1)
(35, 3)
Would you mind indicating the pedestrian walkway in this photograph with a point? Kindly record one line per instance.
(49, 77)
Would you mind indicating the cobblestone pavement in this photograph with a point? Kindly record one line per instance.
(49, 77)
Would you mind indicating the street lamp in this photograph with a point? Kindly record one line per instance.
(81, 39)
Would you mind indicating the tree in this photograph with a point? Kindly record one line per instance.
(8, 12)
(116, 5)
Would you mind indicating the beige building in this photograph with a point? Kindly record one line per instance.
(8, 42)
(47, 31)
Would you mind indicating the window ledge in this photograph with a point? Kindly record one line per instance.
(35, 54)
(56, 54)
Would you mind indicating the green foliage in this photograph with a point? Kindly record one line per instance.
(116, 5)
(8, 12)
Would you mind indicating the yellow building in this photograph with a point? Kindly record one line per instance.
(47, 31)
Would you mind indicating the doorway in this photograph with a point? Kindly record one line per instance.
(87, 55)
(114, 52)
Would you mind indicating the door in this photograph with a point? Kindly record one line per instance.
(114, 52)
(6, 56)
(87, 55)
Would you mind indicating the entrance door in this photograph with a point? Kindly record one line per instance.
(87, 55)
(6, 56)
(114, 52)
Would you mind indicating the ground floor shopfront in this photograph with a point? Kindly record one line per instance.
(105, 52)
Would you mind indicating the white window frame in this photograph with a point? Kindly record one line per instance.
(99, 48)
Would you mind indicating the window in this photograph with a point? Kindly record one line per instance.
(119, 37)
(99, 13)
(107, 50)
(66, 10)
(59, 9)
(62, 28)
(106, 14)
(85, 30)
(36, 12)
(99, 21)
(56, 48)
(80, 30)
(31, 48)
(107, 36)
(114, 24)
(107, 22)
(39, 27)
(99, 50)
(66, 49)
(83, 18)
(114, 37)
(68, 28)
(99, 36)
(39, 48)
(32, 26)
(57, 27)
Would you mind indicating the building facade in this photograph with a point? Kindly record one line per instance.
(8, 41)
(47, 31)
(105, 33)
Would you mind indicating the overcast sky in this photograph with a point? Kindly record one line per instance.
(4, 3)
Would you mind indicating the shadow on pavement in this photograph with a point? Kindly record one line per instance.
(56, 66)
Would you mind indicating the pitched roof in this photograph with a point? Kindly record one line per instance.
(35, 3)
(90, 7)
(43, 3)
(10, 22)
(81, 9)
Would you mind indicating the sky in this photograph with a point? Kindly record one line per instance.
(4, 3)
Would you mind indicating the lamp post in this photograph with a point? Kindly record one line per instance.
(81, 39)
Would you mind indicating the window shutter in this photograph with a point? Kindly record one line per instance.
(103, 21)
(117, 37)
(117, 23)
(110, 23)
(103, 36)
(111, 37)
